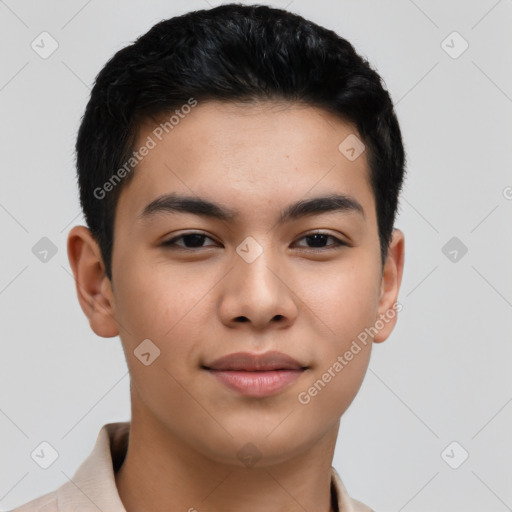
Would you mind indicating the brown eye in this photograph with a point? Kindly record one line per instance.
(190, 241)
(318, 241)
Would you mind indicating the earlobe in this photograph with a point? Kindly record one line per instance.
(92, 285)
(390, 286)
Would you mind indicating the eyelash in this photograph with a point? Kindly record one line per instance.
(171, 244)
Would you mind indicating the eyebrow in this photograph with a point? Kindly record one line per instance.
(172, 203)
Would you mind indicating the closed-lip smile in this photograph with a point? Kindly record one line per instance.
(256, 375)
(246, 361)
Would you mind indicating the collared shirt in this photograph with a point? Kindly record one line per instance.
(93, 486)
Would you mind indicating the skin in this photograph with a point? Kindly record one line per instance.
(308, 301)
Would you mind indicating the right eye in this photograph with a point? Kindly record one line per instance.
(191, 241)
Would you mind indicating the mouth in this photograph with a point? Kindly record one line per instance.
(256, 375)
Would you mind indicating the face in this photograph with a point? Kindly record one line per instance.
(250, 274)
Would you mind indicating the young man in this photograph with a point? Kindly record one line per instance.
(239, 171)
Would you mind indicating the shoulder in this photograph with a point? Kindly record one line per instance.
(45, 503)
(358, 506)
(346, 503)
(93, 482)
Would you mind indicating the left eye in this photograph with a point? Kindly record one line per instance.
(319, 238)
(195, 241)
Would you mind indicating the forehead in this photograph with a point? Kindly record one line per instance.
(246, 153)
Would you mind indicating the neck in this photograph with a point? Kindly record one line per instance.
(161, 472)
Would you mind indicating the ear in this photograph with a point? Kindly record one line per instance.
(390, 286)
(93, 287)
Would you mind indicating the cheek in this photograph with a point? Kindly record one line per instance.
(331, 388)
(151, 299)
(344, 303)
(164, 306)
(342, 300)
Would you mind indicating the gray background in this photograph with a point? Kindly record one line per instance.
(443, 375)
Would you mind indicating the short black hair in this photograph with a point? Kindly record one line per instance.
(233, 52)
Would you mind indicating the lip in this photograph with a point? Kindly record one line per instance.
(245, 361)
(256, 375)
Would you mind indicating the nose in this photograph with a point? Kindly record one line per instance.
(256, 292)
